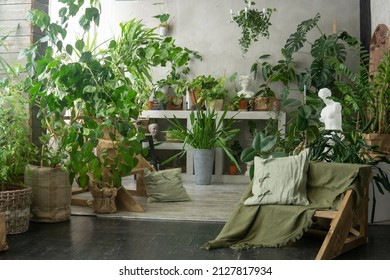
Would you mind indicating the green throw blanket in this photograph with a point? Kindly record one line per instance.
(277, 225)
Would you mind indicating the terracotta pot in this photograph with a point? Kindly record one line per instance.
(233, 170)
(196, 100)
(243, 105)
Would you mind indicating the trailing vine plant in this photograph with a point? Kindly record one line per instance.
(253, 24)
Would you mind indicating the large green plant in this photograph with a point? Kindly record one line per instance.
(328, 54)
(366, 96)
(207, 130)
(99, 89)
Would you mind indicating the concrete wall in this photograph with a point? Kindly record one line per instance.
(380, 13)
(204, 26)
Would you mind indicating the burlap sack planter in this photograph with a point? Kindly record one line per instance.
(104, 200)
(15, 202)
(52, 193)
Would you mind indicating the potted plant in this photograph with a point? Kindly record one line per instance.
(16, 151)
(236, 150)
(206, 132)
(215, 95)
(162, 99)
(378, 109)
(163, 17)
(253, 23)
(100, 90)
(198, 88)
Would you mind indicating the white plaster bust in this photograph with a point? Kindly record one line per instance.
(245, 81)
(331, 113)
(153, 130)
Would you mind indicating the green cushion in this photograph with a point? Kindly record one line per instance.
(165, 185)
(280, 181)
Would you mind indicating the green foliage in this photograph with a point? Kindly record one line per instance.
(207, 130)
(366, 96)
(328, 55)
(253, 24)
(163, 17)
(101, 90)
(140, 49)
(264, 145)
(16, 149)
(351, 148)
(236, 150)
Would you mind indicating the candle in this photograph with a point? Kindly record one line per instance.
(231, 11)
(188, 101)
(249, 4)
(334, 27)
(263, 10)
(246, 11)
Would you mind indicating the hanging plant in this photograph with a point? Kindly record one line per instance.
(254, 23)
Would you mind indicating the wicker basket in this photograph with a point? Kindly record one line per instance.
(15, 201)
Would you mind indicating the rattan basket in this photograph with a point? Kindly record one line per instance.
(15, 202)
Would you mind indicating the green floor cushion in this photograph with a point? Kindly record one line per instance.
(280, 181)
(165, 185)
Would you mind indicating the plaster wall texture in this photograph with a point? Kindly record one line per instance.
(380, 13)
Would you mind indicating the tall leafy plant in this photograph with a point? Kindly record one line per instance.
(16, 151)
(85, 94)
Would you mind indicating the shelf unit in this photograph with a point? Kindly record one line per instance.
(218, 176)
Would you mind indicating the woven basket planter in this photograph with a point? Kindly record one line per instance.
(15, 202)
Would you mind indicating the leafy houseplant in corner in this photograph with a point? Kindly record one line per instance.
(15, 154)
(207, 131)
(99, 90)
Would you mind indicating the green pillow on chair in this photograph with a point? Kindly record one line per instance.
(280, 180)
(165, 185)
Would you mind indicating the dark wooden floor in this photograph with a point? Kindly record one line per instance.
(92, 238)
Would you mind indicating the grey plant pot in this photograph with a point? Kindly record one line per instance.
(203, 164)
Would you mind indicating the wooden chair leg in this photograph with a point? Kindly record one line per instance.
(340, 226)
